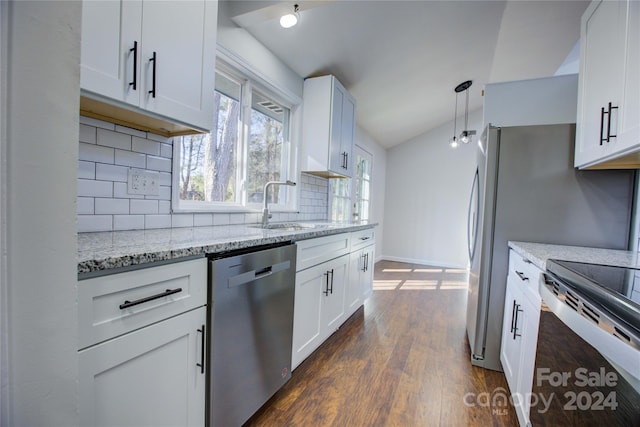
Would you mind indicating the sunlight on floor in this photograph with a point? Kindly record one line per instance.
(436, 279)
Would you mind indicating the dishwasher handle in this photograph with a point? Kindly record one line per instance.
(253, 275)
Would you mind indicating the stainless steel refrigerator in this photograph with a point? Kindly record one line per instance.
(526, 189)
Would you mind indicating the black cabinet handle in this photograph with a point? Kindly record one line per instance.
(326, 290)
(609, 136)
(134, 49)
(521, 275)
(513, 315)
(127, 303)
(364, 262)
(608, 112)
(331, 282)
(602, 139)
(201, 364)
(346, 160)
(153, 59)
(515, 322)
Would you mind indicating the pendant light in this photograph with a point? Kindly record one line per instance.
(290, 19)
(453, 142)
(466, 134)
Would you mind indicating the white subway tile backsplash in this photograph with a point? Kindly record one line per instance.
(85, 206)
(91, 188)
(144, 206)
(202, 220)
(165, 179)
(96, 123)
(91, 223)
(107, 151)
(181, 220)
(104, 206)
(128, 222)
(145, 146)
(131, 131)
(87, 134)
(221, 219)
(111, 173)
(114, 139)
(164, 193)
(95, 153)
(158, 164)
(128, 158)
(164, 206)
(157, 221)
(86, 170)
(166, 150)
(236, 218)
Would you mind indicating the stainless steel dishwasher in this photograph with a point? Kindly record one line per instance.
(251, 309)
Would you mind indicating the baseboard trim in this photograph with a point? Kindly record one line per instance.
(420, 261)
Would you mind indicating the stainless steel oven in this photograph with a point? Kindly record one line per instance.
(587, 370)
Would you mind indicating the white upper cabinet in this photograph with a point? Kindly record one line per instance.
(608, 121)
(152, 56)
(328, 128)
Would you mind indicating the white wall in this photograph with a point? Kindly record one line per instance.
(42, 104)
(427, 198)
(378, 182)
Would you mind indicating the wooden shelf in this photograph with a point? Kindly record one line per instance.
(101, 110)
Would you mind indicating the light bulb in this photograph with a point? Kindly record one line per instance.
(453, 142)
(288, 20)
(464, 137)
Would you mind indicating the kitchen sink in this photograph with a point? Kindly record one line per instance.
(286, 226)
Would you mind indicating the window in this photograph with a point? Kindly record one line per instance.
(350, 199)
(249, 145)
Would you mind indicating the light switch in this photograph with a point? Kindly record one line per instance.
(140, 181)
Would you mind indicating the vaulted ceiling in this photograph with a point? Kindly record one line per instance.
(401, 60)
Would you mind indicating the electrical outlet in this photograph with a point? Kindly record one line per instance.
(140, 181)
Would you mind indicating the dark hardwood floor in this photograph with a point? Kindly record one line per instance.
(401, 360)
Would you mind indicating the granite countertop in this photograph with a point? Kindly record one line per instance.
(116, 249)
(539, 253)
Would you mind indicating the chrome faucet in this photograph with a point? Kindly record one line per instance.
(265, 209)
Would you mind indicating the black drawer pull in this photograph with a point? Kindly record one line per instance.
(521, 275)
(168, 292)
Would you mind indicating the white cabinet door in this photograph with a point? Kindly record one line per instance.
(629, 128)
(154, 376)
(152, 56)
(528, 322)
(333, 313)
(511, 343)
(110, 49)
(328, 128)
(608, 98)
(353, 294)
(307, 317)
(182, 37)
(366, 281)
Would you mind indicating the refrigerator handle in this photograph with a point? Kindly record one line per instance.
(472, 223)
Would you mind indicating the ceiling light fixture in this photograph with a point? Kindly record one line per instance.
(466, 134)
(290, 19)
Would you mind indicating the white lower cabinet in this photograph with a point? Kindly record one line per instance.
(360, 283)
(154, 376)
(143, 347)
(319, 305)
(334, 276)
(520, 332)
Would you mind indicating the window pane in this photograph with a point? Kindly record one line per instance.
(267, 135)
(208, 162)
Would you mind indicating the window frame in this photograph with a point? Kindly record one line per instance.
(250, 81)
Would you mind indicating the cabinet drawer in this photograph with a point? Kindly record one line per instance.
(362, 238)
(112, 305)
(316, 251)
(526, 274)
